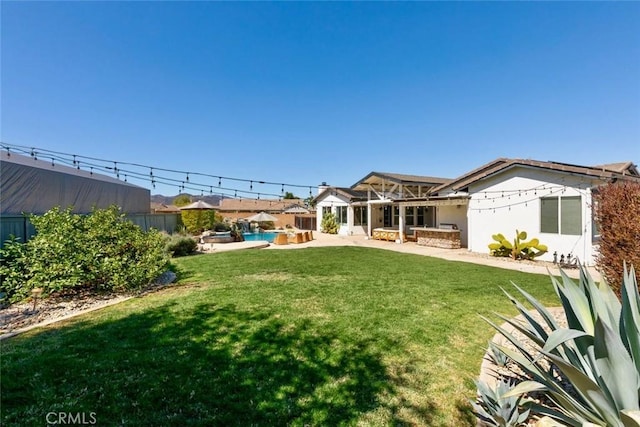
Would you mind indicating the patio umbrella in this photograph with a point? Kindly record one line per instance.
(262, 217)
(198, 206)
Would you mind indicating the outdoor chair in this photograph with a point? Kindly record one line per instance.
(281, 239)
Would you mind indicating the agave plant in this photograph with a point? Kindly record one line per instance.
(598, 353)
(498, 409)
(497, 357)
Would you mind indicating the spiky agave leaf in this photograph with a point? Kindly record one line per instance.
(630, 315)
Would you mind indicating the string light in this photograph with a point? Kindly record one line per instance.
(151, 176)
(170, 177)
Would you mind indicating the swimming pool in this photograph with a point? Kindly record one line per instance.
(265, 235)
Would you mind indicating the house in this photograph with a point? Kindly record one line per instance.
(380, 200)
(158, 208)
(549, 200)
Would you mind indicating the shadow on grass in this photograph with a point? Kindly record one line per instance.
(195, 365)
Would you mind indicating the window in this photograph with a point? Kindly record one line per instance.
(421, 215)
(396, 215)
(561, 215)
(360, 215)
(326, 210)
(549, 215)
(387, 216)
(409, 215)
(341, 214)
(570, 215)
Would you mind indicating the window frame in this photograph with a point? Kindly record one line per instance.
(341, 215)
(562, 217)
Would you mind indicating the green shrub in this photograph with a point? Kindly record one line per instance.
(589, 371)
(13, 271)
(329, 224)
(181, 245)
(220, 227)
(101, 250)
(267, 225)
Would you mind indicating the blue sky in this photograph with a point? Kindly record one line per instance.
(305, 92)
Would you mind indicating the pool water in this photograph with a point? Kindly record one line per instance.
(266, 235)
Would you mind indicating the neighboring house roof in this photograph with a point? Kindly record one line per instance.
(257, 205)
(162, 208)
(376, 178)
(604, 172)
(624, 168)
(295, 208)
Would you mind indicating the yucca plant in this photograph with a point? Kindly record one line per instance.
(597, 354)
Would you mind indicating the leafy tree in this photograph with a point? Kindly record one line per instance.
(289, 195)
(182, 200)
(196, 221)
(309, 202)
(617, 215)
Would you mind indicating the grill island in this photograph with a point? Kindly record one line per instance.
(446, 236)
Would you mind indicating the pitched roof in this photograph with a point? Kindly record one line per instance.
(296, 208)
(613, 170)
(346, 192)
(257, 205)
(624, 168)
(398, 178)
(161, 207)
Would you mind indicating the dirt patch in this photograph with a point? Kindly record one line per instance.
(17, 318)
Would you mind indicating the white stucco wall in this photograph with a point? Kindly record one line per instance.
(511, 201)
(454, 215)
(332, 201)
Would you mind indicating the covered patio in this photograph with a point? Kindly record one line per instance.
(394, 207)
(398, 206)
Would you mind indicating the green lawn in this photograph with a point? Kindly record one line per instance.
(315, 336)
